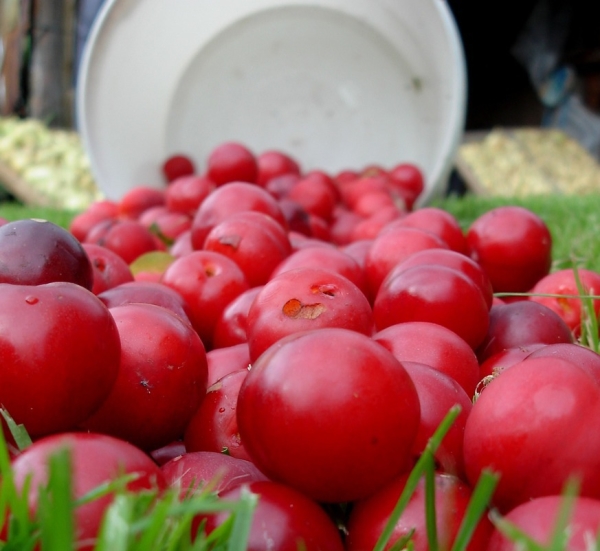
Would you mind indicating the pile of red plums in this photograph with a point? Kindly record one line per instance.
(302, 334)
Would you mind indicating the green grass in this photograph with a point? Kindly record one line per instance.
(573, 221)
(15, 211)
(152, 521)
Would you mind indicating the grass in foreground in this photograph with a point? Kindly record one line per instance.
(148, 521)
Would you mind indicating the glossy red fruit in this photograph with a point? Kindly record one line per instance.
(342, 225)
(368, 517)
(230, 199)
(345, 176)
(497, 363)
(127, 238)
(522, 323)
(316, 194)
(96, 460)
(165, 453)
(138, 199)
(280, 186)
(539, 517)
(358, 250)
(97, 212)
(300, 241)
(391, 247)
(373, 202)
(146, 292)
(352, 190)
(436, 294)
(195, 472)
(149, 217)
(213, 427)
(231, 162)
(110, 270)
(370, 227)
(161, 381)
(514, 247)
(283, 519)
(186, 193)
(208, 282)
(273, 163)
(182, 244)
(438, 393)
(408, 181)
(570, 285)
(325, 258)
(451, 259)
(33, 252)
(60, 348)
(222, 361)
(582, 356)
(296, 217)
(254, 241)
(177, 166)
(166, 225)
(517, 422)
(434, 345)
(231, 327)
(319, 228)
(303, 299)
(335, 390)
(437, 221)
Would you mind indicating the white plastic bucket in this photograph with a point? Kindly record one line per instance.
(338, 84)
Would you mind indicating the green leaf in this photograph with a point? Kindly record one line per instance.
(18, 432)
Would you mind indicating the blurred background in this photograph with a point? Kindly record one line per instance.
(530, 64)
(505, 43)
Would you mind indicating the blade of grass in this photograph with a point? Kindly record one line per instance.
(415, 475)
(560, 535)
(518, 537)
(560, 531)
(160, 521)
(20, 523)
(18, 432)
(180, 534)
(405, 542)
(55, 505)
(589, 320)
(242, 521)
(106, 488)
(430, 515)
(478, 505)
(115, 530)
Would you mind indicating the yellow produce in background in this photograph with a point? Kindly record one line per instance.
(45, 167)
